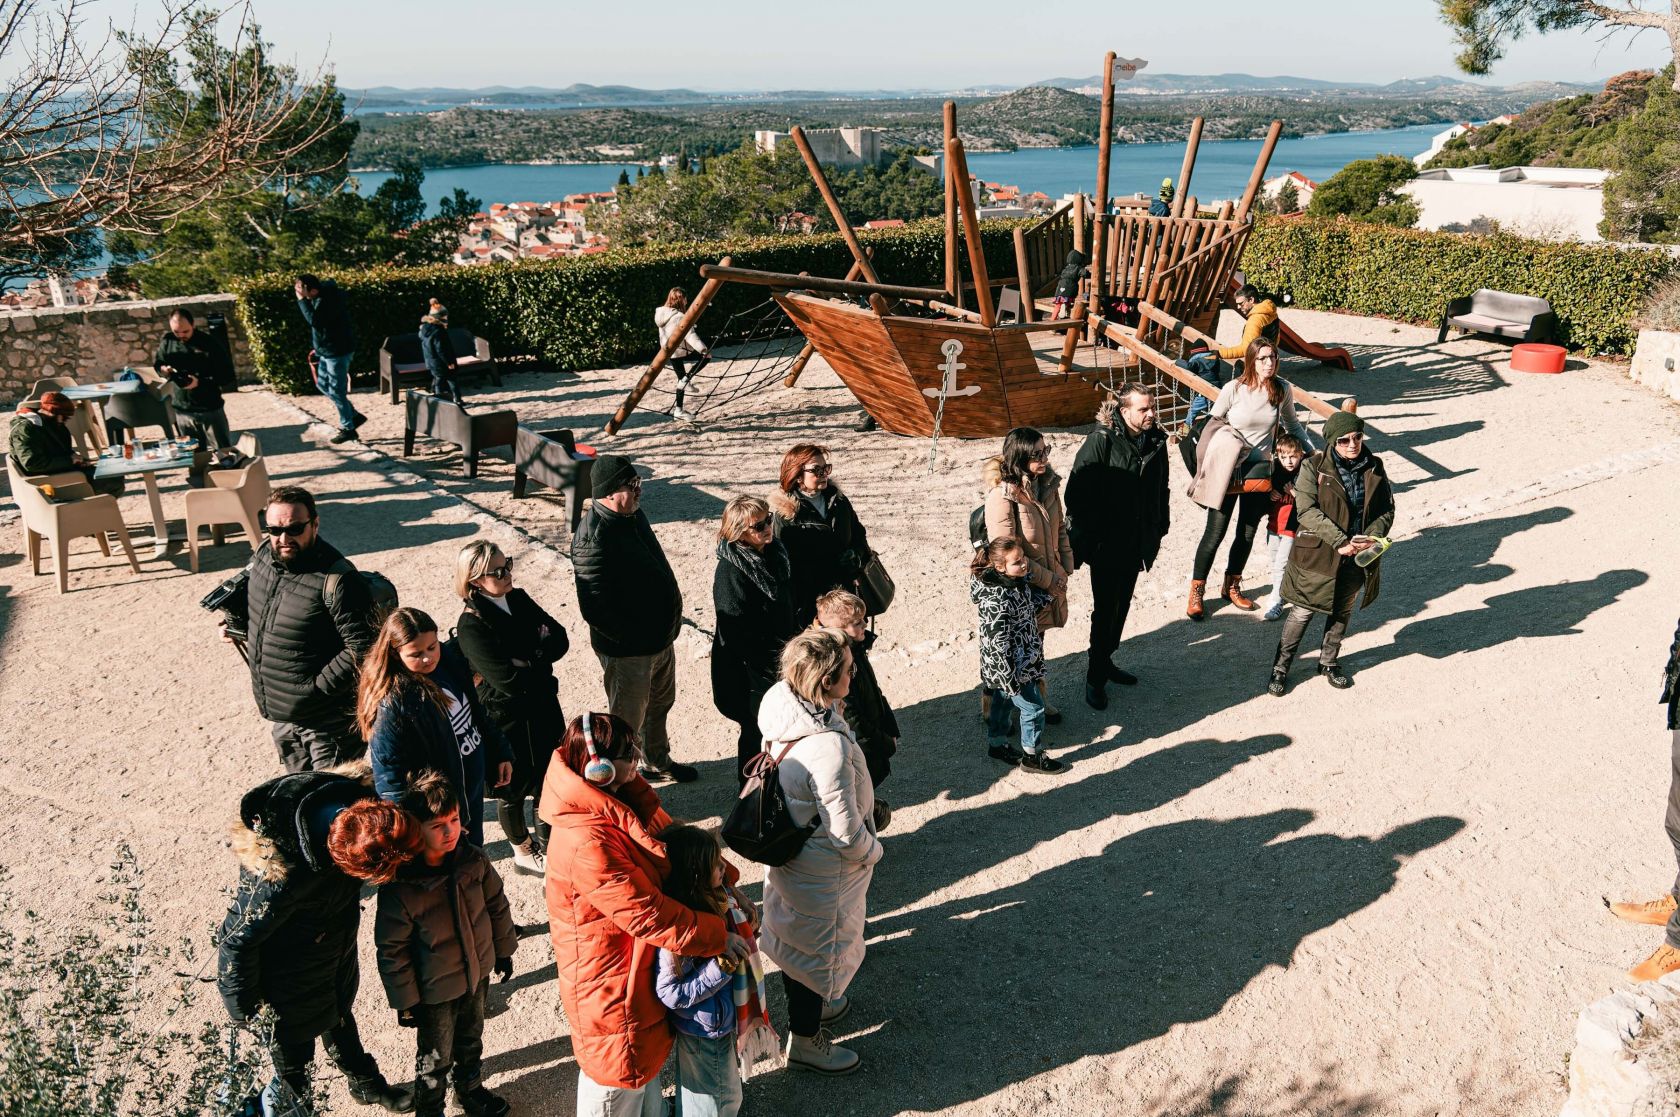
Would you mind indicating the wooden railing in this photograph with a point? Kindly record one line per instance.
(1048, 241)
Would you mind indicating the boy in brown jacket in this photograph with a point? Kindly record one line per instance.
(443, 926)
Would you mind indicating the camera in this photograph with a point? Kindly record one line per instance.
(218, 599)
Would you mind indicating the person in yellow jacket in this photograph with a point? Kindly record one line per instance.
(1260, 320)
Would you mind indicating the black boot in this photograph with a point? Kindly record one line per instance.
(1335, 675)
(377, 1091)
(479, 1102)
(1280, 672)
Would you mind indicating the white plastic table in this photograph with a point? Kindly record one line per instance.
(99, 393)
(179, 456)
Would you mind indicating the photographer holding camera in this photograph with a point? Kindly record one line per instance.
(306, 613)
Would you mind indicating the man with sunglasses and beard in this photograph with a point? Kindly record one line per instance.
(309, 620)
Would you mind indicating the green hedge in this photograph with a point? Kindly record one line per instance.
(582, 312)
(1335, 264)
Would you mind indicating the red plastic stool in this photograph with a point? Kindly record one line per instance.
(1533, 357)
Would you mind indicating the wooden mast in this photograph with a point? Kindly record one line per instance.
(673, 339)
(953, 268)
(1105, 141)
(876, 301)
(1190, 146)
(971, 232)
(1023, 274)
(1259, 174)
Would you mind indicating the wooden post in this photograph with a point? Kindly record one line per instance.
(1190, 207)
(971, 231)
(804, 357)
(1226, 209)
(1259, 174)
(1070, 343)
(833, 203)
(695, 309)
(1190, 146)
(1105, 141)
(953, 267)
(1080, 222)
(1023, 274)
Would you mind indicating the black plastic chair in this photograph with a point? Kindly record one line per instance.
(145, 408)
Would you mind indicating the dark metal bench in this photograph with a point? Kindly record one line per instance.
(400, 360)
(473, 431)
(1502, 314)
(551, 458)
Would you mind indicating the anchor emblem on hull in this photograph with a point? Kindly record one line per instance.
(952, 348)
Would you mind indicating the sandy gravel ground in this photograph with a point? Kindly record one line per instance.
(1383, 901)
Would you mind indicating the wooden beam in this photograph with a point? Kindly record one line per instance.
(1023, 274)
(1259, 173)
(1081, 222)
(816, 283)
(1123, 336)
(833, 203)
(1226, 210)
(953, 266)
(962, 312)
(805, 353)
(1070, 344)
(674, 338)
(1105, 141)
(971, 232)
(1184, 171)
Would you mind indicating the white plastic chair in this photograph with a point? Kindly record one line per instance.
(235, 496)
(65, 519)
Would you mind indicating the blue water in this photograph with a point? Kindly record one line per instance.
(1222, 168)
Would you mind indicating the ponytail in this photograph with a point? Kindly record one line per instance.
(986, 558)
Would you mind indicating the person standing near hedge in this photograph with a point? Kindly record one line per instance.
(327, 311)
(191, 361)
(439, 353)
(688, 354)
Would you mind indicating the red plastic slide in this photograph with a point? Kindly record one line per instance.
(1292, 342)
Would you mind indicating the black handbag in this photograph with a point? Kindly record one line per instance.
(875, 585)
(760, 827)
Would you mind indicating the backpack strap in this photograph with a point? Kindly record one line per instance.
(332, 580)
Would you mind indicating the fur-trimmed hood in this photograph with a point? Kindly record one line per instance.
(991, 475)
(283, 822)
(786, 504)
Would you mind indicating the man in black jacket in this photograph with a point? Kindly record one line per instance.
(192, 359)
(327, 311)
(308, 618)
(1117, 509)
(629, 596)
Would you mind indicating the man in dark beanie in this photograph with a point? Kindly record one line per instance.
(1343, 502)
(629, 596)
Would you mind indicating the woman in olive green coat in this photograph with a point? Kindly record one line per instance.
(1343, 501)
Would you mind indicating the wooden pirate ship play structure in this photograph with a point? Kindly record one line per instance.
(930, 361)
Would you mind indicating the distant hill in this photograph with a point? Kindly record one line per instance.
(1581, 131)
(1224, 84)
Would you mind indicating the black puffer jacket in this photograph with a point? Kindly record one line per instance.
(522, 698)
(305, 657)
(289, 939)
(753, 596)
(440, 928)
(870, 714)
(1077, 267)
(625, 587)
(437, 350)
(1116, 496)
(1671, 682)
(825, 551)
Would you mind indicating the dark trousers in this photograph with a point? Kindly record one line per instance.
(1250, 509)
(289, 1092)
(306, 748)
(209, 427)
(749, 742)
(1672, 824)
(805, 1007)
(1350, 579)
(444, 387)
(450, 1045)
(687, 368)
(1112, 586)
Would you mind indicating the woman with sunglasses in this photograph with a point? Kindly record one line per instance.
(1343, 503)
(752, 593)
(512, 646)
(826, 542)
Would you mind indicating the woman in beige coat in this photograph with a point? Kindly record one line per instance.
(814, 905)
(1024, 502)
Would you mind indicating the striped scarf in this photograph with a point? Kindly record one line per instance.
(755, 1039)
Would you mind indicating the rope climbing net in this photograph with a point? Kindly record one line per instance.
(754, 350)
(1172, 396)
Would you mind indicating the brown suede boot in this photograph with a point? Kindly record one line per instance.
(1654, 912)
(1663, 960)
(1194, 609)
(1234, 593)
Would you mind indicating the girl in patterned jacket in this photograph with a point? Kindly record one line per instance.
(1011, 653)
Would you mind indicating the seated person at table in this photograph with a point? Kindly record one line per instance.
(40, 442)
(191, 359)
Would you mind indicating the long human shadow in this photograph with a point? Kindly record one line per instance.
(1533, 613)
(1162, 927)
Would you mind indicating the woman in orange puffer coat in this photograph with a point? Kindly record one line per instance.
(608, 916)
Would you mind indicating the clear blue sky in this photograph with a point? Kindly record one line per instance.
(864, 44)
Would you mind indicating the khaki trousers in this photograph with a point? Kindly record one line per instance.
(641, 689)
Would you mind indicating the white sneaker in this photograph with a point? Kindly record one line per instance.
(681, 415)
(821, 1054)
(1274, 611)
(526, 859)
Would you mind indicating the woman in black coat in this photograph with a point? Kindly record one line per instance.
(289, 939)
(513, 646)
(752, 593)
(826, 542)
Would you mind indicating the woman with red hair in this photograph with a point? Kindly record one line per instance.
(826, 543)
(609, 915)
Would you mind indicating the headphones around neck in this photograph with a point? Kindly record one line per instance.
(596, 769)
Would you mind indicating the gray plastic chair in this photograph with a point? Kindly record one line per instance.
(145, 408)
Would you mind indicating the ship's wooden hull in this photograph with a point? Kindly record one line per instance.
(895, 366)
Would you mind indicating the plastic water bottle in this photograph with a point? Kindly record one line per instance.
(1374, 552)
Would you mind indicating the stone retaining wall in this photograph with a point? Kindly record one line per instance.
(1625, 1059)
(92, 342)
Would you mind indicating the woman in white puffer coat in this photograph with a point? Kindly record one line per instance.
(814, 906)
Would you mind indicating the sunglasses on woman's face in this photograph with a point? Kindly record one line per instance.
(291, 531)
(819, 470)
(1350, 440)
(501, 571)
(762, 525)
(1042, 454)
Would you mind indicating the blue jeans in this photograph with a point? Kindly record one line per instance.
(1210, 368)
(708, 1077)
(595, 1100)
(1031, 704)
(332, 376)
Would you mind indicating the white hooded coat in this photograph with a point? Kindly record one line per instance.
(814, 906)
